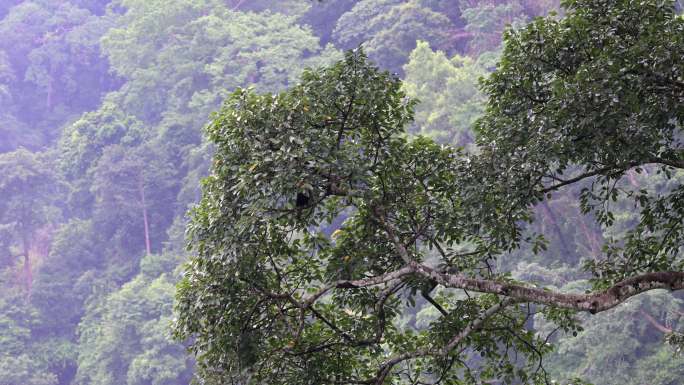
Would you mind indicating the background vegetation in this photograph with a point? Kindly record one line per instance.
(102, 106)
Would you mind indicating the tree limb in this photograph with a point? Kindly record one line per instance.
(476, 324)
(592, 302)
(613, 169)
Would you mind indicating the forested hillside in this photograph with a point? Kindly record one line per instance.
(104, 107)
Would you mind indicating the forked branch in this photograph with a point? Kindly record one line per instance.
(592, 302)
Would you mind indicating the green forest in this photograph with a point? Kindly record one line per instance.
(305, 192)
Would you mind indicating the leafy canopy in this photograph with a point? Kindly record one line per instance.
(595, 96)
(321, 225)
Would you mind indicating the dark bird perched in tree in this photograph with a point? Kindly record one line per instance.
(303, 200)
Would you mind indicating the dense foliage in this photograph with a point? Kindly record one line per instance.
(320, 225)
(102, 108)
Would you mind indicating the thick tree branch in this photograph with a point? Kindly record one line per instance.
(593, 302)
(357, 283)
(600, 171)
(616, 168)
(515, 293)
(676, 163)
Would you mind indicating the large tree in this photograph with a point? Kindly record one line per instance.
(29, 191)
(134, 190)
(322, 226)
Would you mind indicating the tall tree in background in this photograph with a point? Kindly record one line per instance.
(28, 189)
(593, 95)
(131, 188)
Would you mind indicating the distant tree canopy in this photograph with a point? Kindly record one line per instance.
(321, 225)
(28, 189)
(389, 28)
(447, 90)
